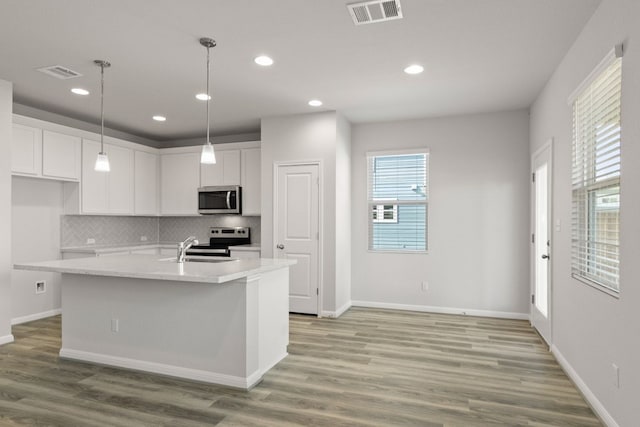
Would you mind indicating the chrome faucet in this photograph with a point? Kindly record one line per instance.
(184, 246)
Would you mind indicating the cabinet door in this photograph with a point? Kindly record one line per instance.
(61, 156)
(179, 182)
(251, 183)
(226, 171)
(119, 180)
(94, 184)
(145, 183)
(26, 150)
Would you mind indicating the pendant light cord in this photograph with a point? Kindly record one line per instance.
(208, 96)
(102, 110)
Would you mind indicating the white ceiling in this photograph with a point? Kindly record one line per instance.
(479, 55)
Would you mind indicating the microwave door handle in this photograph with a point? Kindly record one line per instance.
(228, 199)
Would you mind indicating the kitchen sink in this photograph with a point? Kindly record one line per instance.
(209, 259)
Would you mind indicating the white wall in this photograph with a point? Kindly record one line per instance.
(6, 99)
(477, 259)
(343, 215)
(36, 209)
(304, 137)
(591, 330)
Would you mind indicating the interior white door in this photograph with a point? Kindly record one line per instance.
(296, 234)
(541, 292)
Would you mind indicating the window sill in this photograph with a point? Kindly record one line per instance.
(611, 292)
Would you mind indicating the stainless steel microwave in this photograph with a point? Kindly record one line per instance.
(220, 200)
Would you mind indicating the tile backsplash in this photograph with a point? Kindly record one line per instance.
(107, 230)
(126, 230)
(174, 229)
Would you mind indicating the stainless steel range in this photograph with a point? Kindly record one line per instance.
(220, 240)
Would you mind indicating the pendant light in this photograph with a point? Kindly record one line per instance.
(208, 156)
(102, 161)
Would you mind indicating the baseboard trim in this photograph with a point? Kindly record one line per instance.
(37, 316)
(442, 310)
(339, 312)
(6, 339)
(163, 369)
(591, 398)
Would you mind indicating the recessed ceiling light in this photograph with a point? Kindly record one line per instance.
(263, 60)
(159, 118)
(203, 96)
(414, 69)
(315, 103)
(80, 91)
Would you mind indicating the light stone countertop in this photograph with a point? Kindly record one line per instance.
(156, 267)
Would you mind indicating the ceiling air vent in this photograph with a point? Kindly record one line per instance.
(59, 72)
(370, 12)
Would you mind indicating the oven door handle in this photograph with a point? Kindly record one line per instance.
(228, 199)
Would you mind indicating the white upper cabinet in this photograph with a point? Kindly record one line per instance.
(179, 182)
(60, 156)
(145, 183)
(26, 150)
(226, 170)
(45, 154)
(251, 183)
(107, 192)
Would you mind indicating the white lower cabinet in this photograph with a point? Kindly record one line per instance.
(107, 192)
(179, 182)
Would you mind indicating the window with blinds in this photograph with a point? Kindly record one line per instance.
(596, 177)
(398, 200)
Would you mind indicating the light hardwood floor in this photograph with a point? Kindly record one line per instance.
(368, 368)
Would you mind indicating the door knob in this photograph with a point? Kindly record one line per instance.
(280, 246)
(545, 256)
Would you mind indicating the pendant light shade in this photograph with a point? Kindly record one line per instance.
(208, 156)
(102, 161)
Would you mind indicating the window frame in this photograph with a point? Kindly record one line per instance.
(371, 202)
(585, 191)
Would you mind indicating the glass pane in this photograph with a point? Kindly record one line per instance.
(400, 177)
(408, 232)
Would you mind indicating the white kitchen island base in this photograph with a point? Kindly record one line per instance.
(228, 333)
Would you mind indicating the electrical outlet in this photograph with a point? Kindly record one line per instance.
(115, 325)
(143, 238)
(616, 375)
(41, 287)
(91, 241)
(425, 286)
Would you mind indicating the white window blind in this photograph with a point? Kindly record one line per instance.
(596, 178)
(398, 199)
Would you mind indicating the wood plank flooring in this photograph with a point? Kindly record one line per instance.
(368, 368)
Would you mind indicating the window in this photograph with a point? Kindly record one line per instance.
(398, 199)
(596, 177)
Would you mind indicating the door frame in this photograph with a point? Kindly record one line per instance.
(318, 163)
(550, 227)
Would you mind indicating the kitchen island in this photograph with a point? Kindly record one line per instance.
(217, 322)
